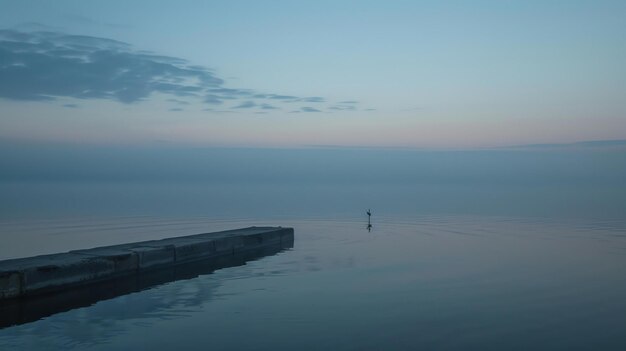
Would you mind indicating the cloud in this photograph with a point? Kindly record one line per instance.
(314, 99)
(342, 108)
(246, 104)
(70, 105)
(47, 65)
(268, 107)
(277, 97)
(213, 99)
(228, 92)
(309, 109)
(217, 111)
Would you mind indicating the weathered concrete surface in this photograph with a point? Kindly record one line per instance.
(10, 284)
(46, 273)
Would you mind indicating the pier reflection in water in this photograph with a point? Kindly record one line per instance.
(25, 310)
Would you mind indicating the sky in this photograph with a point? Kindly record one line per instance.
(416, 74)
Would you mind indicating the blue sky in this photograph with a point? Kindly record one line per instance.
(293, 73)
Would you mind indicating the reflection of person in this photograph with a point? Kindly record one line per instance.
(369, 227)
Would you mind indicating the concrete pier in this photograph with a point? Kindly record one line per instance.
(60, 272)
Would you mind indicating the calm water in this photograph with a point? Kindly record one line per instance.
(479, 251)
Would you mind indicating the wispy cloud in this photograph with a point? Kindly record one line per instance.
(213, 99)
(313, 99)
(48, 65)
(309, 109)
(278, 97)
(342, 108)
(268, 107)
(246, 104)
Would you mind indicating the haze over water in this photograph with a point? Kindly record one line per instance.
(488, 249)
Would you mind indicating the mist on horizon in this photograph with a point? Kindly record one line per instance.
(575, 181)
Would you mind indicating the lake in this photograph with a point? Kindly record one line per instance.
(511, 249)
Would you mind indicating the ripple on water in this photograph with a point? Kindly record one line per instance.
(410, 282)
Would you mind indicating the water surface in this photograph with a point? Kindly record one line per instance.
(478, 251)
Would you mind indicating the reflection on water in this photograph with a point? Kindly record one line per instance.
(429, 282)
(30, 309)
